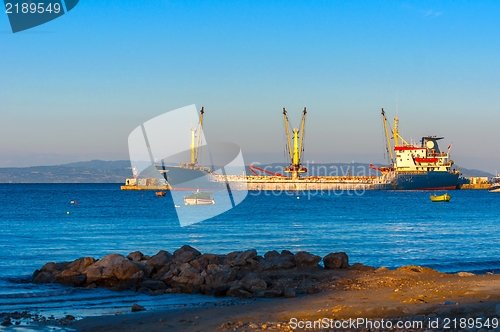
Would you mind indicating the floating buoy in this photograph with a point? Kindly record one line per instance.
(67, 212)
(298, 197)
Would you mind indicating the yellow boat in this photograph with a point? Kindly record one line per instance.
(441, 198)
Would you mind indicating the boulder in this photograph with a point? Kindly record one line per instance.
(185, 254)
(200, 263)
(253, 282)
(275, 261)
(190, 273)
(338, 260)
(242, 257)
(305, 259)
(271, 254)
(167, 277)
(234, 291)
(160, 260)
(136, 308)
(42, 277)
(135, 256)
(219, 279)
(73, 273)
(110, 267)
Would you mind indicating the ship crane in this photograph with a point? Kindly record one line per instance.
(196, 140)
(295, 149)
(388, 138)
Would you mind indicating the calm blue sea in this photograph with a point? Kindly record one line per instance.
(378, 228)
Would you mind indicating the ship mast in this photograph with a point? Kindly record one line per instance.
(396, 133)
(295, 151)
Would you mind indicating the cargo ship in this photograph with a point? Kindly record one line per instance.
(421, 166)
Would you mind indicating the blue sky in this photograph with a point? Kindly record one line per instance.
(74, 88)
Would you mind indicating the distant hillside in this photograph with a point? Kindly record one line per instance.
(99, 171)
(95, 171)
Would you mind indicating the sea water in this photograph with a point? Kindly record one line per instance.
(62, 222)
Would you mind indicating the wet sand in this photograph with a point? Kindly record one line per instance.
(381, 297)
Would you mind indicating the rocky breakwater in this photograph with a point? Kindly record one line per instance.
(188, 271)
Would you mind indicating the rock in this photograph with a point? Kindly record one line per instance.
(185, 254)
(219, 279)
(465, 274)
(190, 273)
(160, 260)
(200, 263)
(253, 282)
(78, 266)
(274, 261)
(136, 308)
(167, 278)
(94, 273)
(125, 269)
(234, 291)
(42, 277)
(210, 258)
(271, 254)
(179, 281)
(338, 260)
(198, 281)
(6, 321)
(212, 268)
(112, 266)
(135, 256)
(153, 284)
(79, 280)
(53, 267)
(242, 257)
(289, 292)
(305, 259)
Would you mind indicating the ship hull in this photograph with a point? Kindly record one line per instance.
(422, 181)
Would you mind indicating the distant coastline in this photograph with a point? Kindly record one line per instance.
(99, 171)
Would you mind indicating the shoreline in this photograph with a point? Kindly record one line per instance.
(407, 294)
(277, 292)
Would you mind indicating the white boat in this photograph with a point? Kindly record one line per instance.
(495, 184)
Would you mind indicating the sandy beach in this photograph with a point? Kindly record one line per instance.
(356, 299)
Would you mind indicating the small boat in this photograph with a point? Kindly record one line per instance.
(199, 198)
(495, 185)
(160, 193)
(441, 198)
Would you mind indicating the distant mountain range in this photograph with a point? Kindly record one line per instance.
(99, 171)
